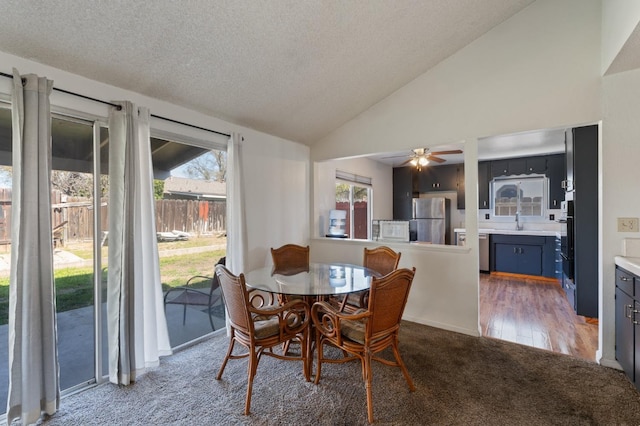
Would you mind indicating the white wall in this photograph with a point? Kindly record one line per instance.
(619, 19)
(324, 191)
(540, 69)
(620, 157)
(435, 299)
(276, 171)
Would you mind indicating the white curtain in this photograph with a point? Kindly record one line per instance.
(33, 358)
(236, 220)
(136, 324)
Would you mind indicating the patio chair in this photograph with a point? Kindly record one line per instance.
(189, 295)
(363, 334)
(260, 330)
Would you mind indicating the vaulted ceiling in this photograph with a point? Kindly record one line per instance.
(293, 69)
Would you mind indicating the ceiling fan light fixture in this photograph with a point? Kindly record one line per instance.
(414, 162)
(423, 161)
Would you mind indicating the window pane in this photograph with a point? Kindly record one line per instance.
(5, 248)
(72, 218)
(191, 225)
(343, 202)
(526, 195)
(360, 212)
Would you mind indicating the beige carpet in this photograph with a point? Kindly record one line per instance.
(460, 380)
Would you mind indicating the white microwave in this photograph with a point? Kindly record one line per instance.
(394, 230)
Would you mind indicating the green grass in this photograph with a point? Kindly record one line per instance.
(84, 250)
(74, 286)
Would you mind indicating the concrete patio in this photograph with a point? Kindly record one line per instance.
(76, 342)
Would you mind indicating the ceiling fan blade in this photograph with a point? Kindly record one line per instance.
(397, 156)
(455, 151)
(408, 161)
(436, 159)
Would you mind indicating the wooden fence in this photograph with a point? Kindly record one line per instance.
(75, 215)
(359, 219)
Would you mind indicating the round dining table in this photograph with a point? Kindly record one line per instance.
(313, 283)
(319, 279)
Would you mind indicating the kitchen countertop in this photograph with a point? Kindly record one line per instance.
(631, 264)
(630, 259)
(544, 233)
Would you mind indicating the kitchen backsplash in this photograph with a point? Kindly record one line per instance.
(538, 225)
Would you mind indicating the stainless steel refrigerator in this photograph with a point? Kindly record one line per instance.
(430, 220)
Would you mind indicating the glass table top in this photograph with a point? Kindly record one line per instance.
(320, 279)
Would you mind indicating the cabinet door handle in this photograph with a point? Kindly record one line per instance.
(633, 315)
(555, 203)
(627, 311)
(515, 250)
(563, 184)
(623, 278)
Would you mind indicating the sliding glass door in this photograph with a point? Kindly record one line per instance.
(191, 223)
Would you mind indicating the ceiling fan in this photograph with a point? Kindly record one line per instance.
(420, 157)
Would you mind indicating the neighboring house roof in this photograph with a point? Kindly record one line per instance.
(195, 188)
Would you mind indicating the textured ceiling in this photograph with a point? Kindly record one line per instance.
(290, 68)
(628, 57)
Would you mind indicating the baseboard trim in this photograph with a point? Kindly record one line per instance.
(526, 277)
(448, 327)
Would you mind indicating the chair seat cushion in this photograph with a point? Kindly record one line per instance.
(353, 330)
(266, 327)
(353, 299)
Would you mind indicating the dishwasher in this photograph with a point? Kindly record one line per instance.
(483, 248)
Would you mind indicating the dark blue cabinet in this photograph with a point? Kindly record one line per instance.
(523, 254)
(556, 174)
(484, 171)
(402, 192)
(627, 330)
(519, 258)
(438, 178)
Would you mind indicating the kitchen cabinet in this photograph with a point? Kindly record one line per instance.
(499, 168)
(627, 329)
(519, 166)
(584, 156)
(402, 192)
(484, 178)
(523, 254)
(483, 185)
(518, 258)
(438, 178)
(460, 186)
(556, 174)
(536, 164)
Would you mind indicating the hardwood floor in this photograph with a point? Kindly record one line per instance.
(536, 313)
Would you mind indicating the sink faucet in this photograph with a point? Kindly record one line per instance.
(519, 226)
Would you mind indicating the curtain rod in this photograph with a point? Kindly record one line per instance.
(119, 107)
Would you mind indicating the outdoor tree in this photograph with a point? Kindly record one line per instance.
(211, 166)
(158, 189)
(77, 184)
(343, 191)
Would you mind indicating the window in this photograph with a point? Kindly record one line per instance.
(353, 195)
(526, 196)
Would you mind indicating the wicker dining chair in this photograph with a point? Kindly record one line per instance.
(260, 330)
(381, 259)
(290, 256)
(363, 334)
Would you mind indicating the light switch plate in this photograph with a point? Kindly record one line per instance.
(627, 224)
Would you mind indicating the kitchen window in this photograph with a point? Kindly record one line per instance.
(524, 195)
(353, 195)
